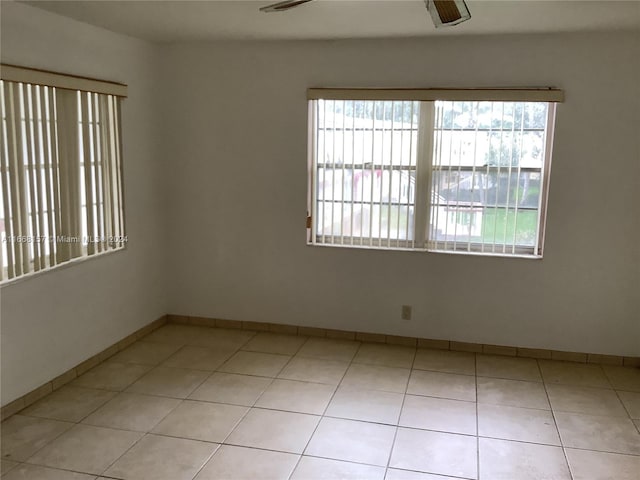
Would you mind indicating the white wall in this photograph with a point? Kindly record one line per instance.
(53, 321)
(237, 153)
(215, 150)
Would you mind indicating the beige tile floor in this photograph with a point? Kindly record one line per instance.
(198, 403)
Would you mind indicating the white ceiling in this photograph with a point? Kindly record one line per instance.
(171, 21)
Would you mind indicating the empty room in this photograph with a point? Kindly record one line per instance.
(321, 239)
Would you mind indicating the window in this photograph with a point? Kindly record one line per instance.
(61, 192)
(417, 170)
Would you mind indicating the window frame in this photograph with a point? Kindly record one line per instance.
(424, 190)
(64, 153)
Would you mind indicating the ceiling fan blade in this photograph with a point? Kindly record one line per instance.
(446, 13)
(283, 6)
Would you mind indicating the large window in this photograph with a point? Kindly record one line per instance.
(439, 175)
(61, 192)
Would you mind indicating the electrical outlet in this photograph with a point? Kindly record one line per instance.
(406, 312)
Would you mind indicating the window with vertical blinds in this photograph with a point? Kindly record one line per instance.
(61, 190)
(436, 170)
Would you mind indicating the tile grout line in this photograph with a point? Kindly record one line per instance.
(145, 434)
(322, 416)
(249, 448)
(620, 400)
(386, 425)
(57, 469)
(150, 432)
(383, 423)
(555, 422)
(45, 445)
(123, 391)
(404, 397)
(211, 373)
(78, 422)
(223, 442)
(251, 407)
(182, 400)
(17, 464)
(248, 407)
(171, 319)
(632, 455)
(204, 464)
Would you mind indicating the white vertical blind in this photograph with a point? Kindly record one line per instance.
(423, 172)
(487, 176)
(364, 172)
(86, 173)
(116, 158)
(67, 121)
(61, 176)
(34, 76)
(466, 176)
(8, 254)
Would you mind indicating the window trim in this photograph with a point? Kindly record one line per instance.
(36, 76)
(525, 94)
(424, 169)
(59, 266)
(68, 96)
